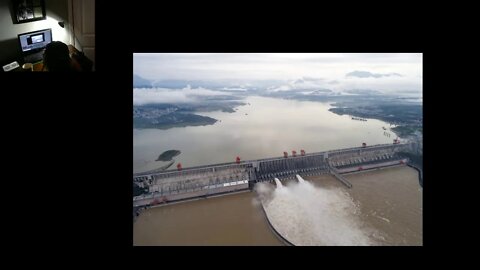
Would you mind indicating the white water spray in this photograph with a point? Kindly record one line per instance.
(300, 179)
(309, 215)
(279, 184)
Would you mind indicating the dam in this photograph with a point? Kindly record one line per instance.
(218, 179)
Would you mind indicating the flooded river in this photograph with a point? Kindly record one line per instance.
(384, 207)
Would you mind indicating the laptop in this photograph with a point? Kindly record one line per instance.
(33, 44)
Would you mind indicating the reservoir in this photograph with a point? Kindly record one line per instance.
(265, 128)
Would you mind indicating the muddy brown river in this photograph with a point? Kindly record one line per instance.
(384, 207)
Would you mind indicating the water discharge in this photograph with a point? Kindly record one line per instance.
(300, 179)
(309, 215)
(279, 184)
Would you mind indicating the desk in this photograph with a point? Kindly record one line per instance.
(38, 66)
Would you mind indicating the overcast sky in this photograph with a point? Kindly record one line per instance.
(337, 71)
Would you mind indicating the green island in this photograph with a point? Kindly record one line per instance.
(166, 116)
(168, 155)
(172, 120)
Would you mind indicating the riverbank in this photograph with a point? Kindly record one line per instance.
(407, 117)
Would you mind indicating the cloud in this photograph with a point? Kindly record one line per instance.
(142, 96)
(362, 91)
(268, 66)
(140, 82)
(303, 83)
(241, 89)
(290, 71)
(311, 79)
(366, 74)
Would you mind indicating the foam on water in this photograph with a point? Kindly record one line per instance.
(309, 215)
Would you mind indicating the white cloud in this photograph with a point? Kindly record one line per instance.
(366, 74)
(326, 70)
(241, 89)
(142, 96)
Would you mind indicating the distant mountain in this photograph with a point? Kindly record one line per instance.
(362, 92)
(216, 84)
(321, 91)
(139, 82)
(179, 84)
(175, 84)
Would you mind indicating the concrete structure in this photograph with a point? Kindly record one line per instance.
(203, 181)
(337, 175)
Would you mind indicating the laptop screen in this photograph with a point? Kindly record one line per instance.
(35, 41)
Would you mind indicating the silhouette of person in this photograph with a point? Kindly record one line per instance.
(60, 57)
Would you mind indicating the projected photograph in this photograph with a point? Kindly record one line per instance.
(28, 10)
(277, 149)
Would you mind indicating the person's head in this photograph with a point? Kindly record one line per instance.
(57, 57)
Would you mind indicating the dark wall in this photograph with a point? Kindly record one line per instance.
(57, 10)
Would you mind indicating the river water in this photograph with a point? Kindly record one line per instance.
(383, 207)
(265, 128)
(228, 220)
